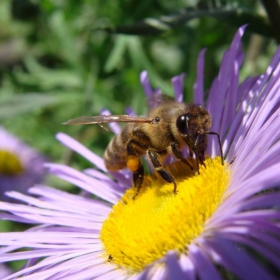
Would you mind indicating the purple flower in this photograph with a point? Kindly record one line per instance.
(4, 271)
(20, 165)
(225, 220)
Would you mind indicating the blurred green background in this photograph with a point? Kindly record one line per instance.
(62, 59)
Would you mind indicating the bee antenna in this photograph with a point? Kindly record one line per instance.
(220, 144)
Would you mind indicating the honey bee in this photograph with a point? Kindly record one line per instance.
(167, 129)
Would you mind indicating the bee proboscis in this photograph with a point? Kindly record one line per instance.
(167, 129)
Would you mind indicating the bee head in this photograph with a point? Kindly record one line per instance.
(193, 126)
(185, 125)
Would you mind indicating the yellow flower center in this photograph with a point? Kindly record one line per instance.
(139, 231)
(9, 163)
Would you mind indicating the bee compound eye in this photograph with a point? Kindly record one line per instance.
(182, 124)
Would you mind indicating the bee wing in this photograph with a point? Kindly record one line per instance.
(108, 119)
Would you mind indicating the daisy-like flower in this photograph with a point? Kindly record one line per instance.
(223, 220)
(4, 271)
(20, 165)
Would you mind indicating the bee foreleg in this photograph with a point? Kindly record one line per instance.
(220, 144)
(154, 157)
(202, 158)
(197, 161)
(179, 155)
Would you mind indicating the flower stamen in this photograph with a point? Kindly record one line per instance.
(10, 164)
(138, 232)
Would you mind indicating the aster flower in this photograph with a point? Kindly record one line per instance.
(20, 165)
(226, 219)
(4, 271)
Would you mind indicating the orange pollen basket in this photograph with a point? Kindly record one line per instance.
(132, 163)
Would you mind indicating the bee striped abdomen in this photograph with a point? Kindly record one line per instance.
(136, 147)
(116, 152)
(132, 141)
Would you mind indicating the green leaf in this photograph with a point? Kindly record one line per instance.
(116, 54)
(155, 26)
(46, 78)
(142, 62)
(63, 32)
(17, 104)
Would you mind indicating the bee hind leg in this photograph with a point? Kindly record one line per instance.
(167, 176)
(138, 177)
(134, 164)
